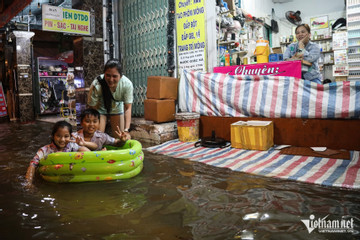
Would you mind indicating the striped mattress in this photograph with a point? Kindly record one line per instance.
(316, 170)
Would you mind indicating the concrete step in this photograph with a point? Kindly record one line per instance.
(153, 133)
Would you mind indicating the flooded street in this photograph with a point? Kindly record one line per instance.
(170, 199)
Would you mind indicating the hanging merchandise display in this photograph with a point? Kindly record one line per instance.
(237, 33)
(274, 24)
(51, 81)
(68, 110)
(57, 86)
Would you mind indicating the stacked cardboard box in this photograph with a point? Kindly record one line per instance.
(161, 95)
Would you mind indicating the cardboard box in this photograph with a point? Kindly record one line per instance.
(277, 50)
(230, 5)
(340, 78)
(252, 135)
(160, 87)
(159, 110)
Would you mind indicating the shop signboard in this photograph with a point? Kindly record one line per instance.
(58, 19)
(190, 29)
(284, 68)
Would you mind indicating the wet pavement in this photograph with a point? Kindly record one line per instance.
(170, 199)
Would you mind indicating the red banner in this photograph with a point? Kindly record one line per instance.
(285, 68)
(12, 10)
(3, 111)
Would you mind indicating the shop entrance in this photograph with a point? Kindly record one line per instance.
(144, 45)
(56, 75)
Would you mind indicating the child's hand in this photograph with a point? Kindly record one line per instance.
(78, 140)
(29, 186)
(30, 173)
(122, 136)
(88, 146)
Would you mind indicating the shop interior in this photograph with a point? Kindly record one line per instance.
(240, 30)
(55, 68)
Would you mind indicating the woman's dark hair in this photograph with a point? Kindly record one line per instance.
(89, 112)
(60, 124)
(113, 63)
(306, 26)
(107, 96)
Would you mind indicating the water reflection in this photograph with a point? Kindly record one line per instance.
(170, 199)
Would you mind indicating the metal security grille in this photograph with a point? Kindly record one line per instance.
(143, 44)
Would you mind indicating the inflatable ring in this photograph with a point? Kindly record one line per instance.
(115, 163)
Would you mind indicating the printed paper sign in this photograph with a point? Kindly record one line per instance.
(190, 28)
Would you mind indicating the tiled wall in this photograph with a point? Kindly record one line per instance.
(93, 47)
(24, 79)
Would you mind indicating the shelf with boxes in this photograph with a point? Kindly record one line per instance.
(285, 43)
(46, 73)
(235, 30)
(313, 40)
(326, 60)
(52, 92)
(353, 26)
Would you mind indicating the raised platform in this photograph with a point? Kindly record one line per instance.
(330, 133)
(153, 133)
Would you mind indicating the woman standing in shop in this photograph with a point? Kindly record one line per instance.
(306, 50)
(111, 94)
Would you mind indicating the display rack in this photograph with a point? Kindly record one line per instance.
(220, 41)
(341, 66)
(327, 56)
(52, 76)
(353, 27)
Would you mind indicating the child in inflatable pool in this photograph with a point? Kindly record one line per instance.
(90, 122)
(60, 142)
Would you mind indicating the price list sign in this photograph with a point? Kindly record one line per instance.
(190, 29)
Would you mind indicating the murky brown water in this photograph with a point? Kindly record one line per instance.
(170, 199)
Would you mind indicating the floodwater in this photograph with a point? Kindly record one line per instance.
(170, 199)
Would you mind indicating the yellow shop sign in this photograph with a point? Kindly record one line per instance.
(58, 19)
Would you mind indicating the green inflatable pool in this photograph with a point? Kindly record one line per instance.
(115, 163)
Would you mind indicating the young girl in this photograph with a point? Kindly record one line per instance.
(60, 142)
(90, 122)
